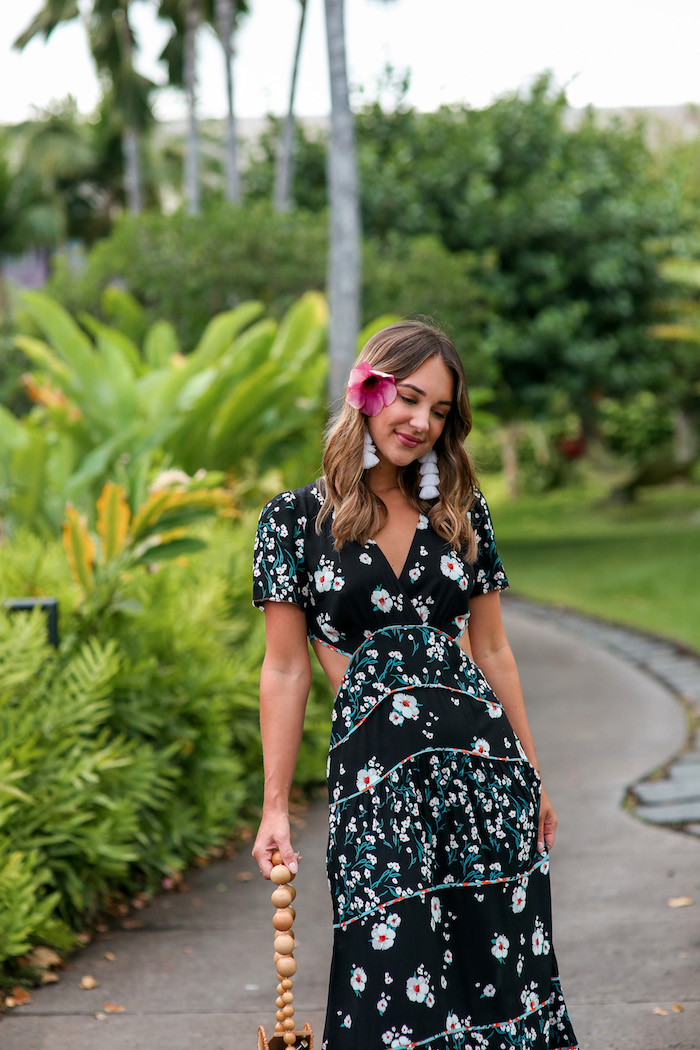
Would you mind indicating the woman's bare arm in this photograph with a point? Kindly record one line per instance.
(492, 653)
(285, 680)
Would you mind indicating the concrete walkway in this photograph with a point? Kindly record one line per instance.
(199, 971)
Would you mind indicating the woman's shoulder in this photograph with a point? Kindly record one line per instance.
(305, 501)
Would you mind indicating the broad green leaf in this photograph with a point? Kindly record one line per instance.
(298, 325)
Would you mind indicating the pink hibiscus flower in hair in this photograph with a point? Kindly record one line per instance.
(370, 390)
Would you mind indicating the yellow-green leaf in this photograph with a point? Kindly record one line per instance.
(79, 548)
(113, 517)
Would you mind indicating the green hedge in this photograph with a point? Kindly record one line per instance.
(134, 748)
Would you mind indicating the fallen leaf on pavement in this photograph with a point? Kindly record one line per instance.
(49, 977)
(100, 1016)
(110, 956)
(679, 902)
(660, 1011)
(87, 982)
(677, 1008)
(244, 876)
(43, 957)
(19, 997)
(112, 1008)
(131, 924)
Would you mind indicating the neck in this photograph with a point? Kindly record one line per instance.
(384, 477)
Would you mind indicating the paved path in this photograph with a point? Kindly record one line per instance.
(199, 972)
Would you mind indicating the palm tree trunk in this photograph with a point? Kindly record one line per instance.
(285, 153)
(132, 171)
(225, 21)
(131, 146)
(344, 253)
(193, 17)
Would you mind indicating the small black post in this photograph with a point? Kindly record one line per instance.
(50, 608)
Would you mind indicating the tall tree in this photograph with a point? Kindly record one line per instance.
(112, 43)
(344, 249)
(284, 171)
(226, 14)
(193, 18)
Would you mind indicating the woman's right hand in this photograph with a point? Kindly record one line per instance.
(273, 834)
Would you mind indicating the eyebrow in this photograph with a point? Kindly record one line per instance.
(421, 392)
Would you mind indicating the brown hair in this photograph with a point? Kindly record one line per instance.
(358, 514)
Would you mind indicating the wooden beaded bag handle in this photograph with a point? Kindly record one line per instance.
(286, 1035)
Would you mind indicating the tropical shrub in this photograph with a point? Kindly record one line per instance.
(134, 747)
(250, 396)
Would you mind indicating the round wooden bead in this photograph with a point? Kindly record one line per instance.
(288, 1024)
(279, 1028)
(277, 857)
(288, 1011)
(286, 984)
(277, 956)
(283, 896)
(279, 1002)
(292, 912)
(292, 890)
(287, 967)
(283, 919)
(284, 944)
(287, 997)
(281, 875)
(280, 1015)
(289, 1039)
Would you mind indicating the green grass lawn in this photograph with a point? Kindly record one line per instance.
(637, 564)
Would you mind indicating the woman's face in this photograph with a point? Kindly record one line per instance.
(413, 422)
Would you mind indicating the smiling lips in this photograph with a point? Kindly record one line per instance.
(407, 440)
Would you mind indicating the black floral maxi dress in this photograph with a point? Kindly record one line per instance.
(442, 925)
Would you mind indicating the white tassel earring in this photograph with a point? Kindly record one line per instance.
(429, 475)
(369, 457)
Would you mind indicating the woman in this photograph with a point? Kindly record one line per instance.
(439, 828)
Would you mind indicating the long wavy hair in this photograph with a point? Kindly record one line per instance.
(357, 512)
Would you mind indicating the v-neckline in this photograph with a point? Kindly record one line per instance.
(399, 575)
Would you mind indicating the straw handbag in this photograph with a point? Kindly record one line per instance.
(285, 1035)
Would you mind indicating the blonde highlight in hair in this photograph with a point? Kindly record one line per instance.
(358, 514)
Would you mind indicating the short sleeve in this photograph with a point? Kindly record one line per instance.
(490, 575)
(278, 556)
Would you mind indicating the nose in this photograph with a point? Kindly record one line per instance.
(420, 418)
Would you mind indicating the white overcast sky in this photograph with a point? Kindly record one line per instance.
(606, 52)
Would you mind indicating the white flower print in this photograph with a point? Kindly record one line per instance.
(415, 573)
(347, 1021)
(430, 999)
(453, 1023)
(396, 718)
(358, 980)
(519, 899)
(383, 1003)
(366, 778)
(382, 936)
(324, 622)
(537, 940)
(423, 522)
(406, 705)
(501, 944)
(489, 991)
(382, 599)
(435, 911)
(338, 583)
(394, 921)
(365, 559)
(481, 747)
(451, 566)
(417, 988)
(448, 956)
(530, 1000)
(323, 577)
(494, 710)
